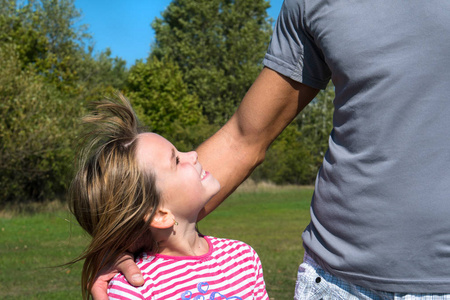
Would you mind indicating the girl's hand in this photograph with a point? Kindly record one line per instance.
(126, 266)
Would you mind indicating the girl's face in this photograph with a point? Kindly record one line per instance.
(185, 187)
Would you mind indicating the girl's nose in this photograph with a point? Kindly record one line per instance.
(192, 157)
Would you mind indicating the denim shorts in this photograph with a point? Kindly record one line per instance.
(314, 283)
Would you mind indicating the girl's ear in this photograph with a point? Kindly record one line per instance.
(163, 219)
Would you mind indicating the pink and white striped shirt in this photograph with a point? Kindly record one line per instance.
(230, 270)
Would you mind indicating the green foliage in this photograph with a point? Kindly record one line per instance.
(108, 71)
(163, 103)
(35, 133)
(46, 36)
(17, 25)
(100, 75)
(219, 46)
(46, 77)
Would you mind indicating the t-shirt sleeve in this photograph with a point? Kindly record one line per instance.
(293, 51)
(120, 289)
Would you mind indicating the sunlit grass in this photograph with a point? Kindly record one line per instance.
(269, 219)
(31, 246)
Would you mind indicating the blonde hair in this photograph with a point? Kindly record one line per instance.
(110, 196)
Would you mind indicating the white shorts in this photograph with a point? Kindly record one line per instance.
(314, 283)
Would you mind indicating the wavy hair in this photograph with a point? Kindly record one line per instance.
(111, 197)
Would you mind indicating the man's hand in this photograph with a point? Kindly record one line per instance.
(126, 266)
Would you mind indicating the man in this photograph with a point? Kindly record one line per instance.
(380, 225)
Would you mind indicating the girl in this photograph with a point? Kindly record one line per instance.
(133, 185)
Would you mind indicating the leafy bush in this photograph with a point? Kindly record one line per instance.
(36, 133)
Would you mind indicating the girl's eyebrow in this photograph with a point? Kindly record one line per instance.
(172, 159)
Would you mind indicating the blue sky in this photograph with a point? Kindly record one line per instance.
(124, 25)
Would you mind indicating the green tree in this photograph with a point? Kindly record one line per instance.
(16, 26)
(49, 35)
(36, 133)
(109, 71)
(100, 75)
(219, 46)
(47, 74)
(46, 36)
(164, 105)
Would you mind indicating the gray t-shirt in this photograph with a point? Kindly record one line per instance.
(380, 214)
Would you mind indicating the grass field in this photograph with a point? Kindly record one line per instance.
(269, 219)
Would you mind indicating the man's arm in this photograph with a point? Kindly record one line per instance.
(240, 145)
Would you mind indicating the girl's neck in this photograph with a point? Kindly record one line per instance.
(182, 241)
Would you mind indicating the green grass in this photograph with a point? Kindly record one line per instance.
(30, 247)
(270, 220)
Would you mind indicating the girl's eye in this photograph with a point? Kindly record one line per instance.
(177, 160)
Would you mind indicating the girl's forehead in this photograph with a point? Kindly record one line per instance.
(152, 150)
(152, 140)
